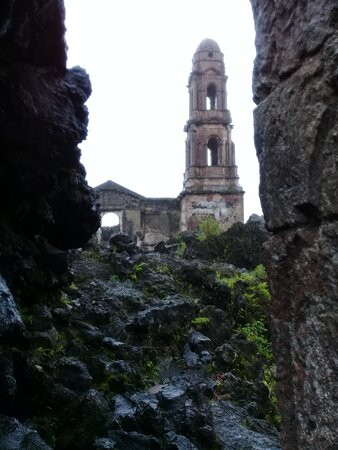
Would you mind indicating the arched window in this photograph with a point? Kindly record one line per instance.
(211, 97)
(110, 219)
(213, 144)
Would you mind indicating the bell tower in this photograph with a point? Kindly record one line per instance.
(211, 187)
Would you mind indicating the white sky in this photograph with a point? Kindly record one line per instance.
(138, 54)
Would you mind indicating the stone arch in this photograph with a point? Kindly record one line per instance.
(111, 219)
(211, 99)
(213, 147)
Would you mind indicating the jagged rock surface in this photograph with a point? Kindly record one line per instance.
(296, 134)
(107, 365)
(44, 197)
(46, 204)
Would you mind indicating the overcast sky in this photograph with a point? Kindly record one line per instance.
(138, 54)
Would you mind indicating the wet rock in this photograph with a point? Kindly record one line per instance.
(104, 444)
(10, 320)
(161, 248)
(166, 312)
(8, 384)
(122, 264)
(15, 436)
(172, 393)
(179, 442)
(135, 441)
(86, 418)
(237, 344)
(191, 359)
(198, 342)
(145, 401)
(205, 357)
(124, 408)
(73, 374)
(122, 243)
(113, 343)
(229, 423)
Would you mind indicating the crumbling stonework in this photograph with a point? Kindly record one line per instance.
(296, 135)
(211, 186)
(150, 220)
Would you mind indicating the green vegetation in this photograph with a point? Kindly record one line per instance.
(198, 322)
(208, 228)
(163, 268)
(182, 246)
(138, 269)
(253, 324)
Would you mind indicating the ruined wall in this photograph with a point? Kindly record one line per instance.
(160, 219)
(149, 220)
(227, 209)
(296, 135)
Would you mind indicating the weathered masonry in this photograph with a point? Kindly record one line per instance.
(211, 187)
(210, 182)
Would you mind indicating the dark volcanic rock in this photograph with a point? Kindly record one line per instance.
(15, 436)
(296, 136)
(10, 320)
(229, 420)
(43, 192)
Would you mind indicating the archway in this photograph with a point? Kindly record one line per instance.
(212, 149)
(110, 219)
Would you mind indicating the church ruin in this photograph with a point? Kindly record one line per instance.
(210, 187)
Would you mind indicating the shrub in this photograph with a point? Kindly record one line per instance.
(208, 228)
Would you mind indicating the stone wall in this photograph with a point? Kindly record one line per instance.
(227, 209)
(296, 135)
(149, 220)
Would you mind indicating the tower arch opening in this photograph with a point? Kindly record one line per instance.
(213, 151)
(211, 97)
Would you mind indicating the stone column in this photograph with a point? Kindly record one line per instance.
(296, 135)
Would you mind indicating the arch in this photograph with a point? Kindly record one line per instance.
(213, 146)
(110, 219)
(211, 97)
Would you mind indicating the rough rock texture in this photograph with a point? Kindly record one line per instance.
(296, 135)
(46, 204)
(45, 200)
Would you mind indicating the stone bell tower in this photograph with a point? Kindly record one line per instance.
(211, 187)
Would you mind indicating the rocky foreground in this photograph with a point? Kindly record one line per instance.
(143, 350)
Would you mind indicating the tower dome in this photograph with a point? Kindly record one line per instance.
(208, 45)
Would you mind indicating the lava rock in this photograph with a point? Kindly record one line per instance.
(122, 243)
(198, 342)
(179, 442)
(10, 320)
(15, 436)
(104, 444)
(73, 374)
(164, 313)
